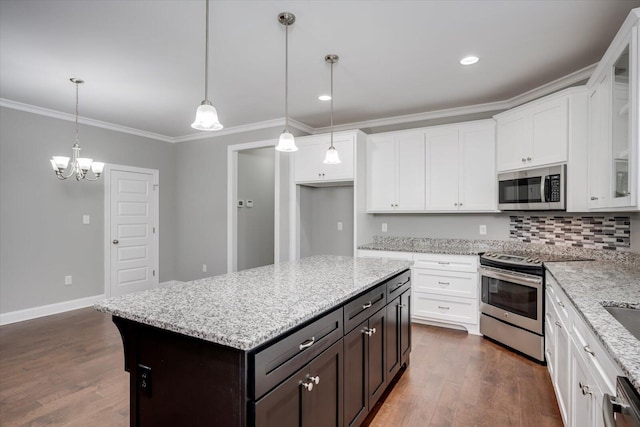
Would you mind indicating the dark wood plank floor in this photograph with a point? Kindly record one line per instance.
(67, 370)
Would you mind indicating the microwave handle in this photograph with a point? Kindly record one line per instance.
(543, 188)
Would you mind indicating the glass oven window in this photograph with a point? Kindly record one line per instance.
(512, 297)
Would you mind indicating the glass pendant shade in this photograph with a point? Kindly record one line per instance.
(286, 143)
(206, 117)
(60, 162)
(332, 157)
(84, 163)
(97, 167)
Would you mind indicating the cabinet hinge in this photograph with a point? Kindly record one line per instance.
(154, 273)
(154, 230)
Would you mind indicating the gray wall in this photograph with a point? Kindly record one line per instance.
(201, 198)
(320, 211)
(256, 178)
(42, 237)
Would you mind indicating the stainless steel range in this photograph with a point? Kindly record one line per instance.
(512, 303)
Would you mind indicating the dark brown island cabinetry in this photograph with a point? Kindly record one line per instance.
(328, 371)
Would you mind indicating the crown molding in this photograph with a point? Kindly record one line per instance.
(83, 120)
(546, 89)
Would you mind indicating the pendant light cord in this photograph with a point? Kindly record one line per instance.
(206, 55)
(286, 78)
(331, 104)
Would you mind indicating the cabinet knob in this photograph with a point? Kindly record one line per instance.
(116, 241)
(524, 160)
(460, 204)
(402, 305)
(308, 385)
(528, 159)
(369, 331)
(455, 204)
(315, 380)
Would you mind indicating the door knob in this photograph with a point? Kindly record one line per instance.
(116, 241)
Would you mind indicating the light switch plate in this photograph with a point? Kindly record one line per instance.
(384, 227)
(339, 225)
(86, 219)
(241, 203)
(483, 229)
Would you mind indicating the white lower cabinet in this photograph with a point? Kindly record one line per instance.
(445, 288)
(581, 370)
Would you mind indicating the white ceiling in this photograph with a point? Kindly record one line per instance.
(143, 61)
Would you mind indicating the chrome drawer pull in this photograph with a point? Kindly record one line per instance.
(367, 305)
(307, 344)
(444, 283)
(442, 307)
(369, 331)
(402, 305)
(558, 324)
(443, 262)
(560, 303)
(588, 350)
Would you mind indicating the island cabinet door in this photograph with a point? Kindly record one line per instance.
(394, 360)
(325, 400)
(405, 326)
(377, 357)
(312, 397)
(356, 378)
(282, 407)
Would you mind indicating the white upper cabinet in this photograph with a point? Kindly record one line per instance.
(443, 168)
(396, 172)
(477, 187)
(311, 153)
(533, 135)
(614, 135)
(461, 167)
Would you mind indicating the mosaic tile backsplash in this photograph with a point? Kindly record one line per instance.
(595, 232)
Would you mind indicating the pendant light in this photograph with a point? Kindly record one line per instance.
(332, 157)
(286, 142)
(206, 114)
(79, 165)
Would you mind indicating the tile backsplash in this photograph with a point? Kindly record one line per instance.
(595, 232)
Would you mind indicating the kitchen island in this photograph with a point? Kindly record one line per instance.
(319, 339)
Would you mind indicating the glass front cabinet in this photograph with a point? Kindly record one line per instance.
(614, 136)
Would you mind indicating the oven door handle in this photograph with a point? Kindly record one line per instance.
(484, 271)
(608, 411)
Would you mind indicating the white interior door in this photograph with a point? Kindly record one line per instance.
(133, 231)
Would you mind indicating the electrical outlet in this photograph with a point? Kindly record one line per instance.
(384, 227)
(483, 229)
(249, 203)
(339, 225)
(241, 203)
(204, 268)
(68, 280)
(86, 219)
(144, 380)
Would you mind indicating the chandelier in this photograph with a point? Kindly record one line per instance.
(332, 157)
(79, 166)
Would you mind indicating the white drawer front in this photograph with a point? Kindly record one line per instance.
(464, 285)
(467, 263)
(445, 308)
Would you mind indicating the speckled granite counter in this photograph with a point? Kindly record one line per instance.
(473, 247)
(245, 309)
(589, 285)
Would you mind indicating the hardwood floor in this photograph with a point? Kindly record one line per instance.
(67, 370)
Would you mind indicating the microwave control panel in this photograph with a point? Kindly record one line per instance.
(554, 193)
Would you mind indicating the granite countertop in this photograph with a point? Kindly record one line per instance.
(246, 309)
(592, 284)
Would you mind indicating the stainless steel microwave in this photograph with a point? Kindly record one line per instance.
(533, 189)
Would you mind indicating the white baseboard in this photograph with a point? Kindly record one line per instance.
(47, 310)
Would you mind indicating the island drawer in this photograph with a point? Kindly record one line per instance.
(282, 358)
(397, 285)
(364, 306)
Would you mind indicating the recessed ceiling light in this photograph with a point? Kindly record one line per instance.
(469, 60)
(324, 97)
